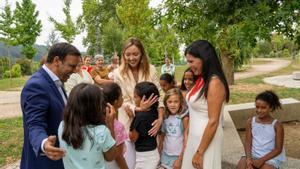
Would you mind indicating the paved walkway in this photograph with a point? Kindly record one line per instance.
(283, 80)
(260, 69)
(10, 104)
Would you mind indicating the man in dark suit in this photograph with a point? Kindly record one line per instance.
(42, 100)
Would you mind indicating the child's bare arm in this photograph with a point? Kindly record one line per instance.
(120, 158)
(133, 135)
(248, 142)
(185, 122)
(129, 112)
(110, 154)
(178, 162)
(109, 118)
(279, 137)
(161, 139)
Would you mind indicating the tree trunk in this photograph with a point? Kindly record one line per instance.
(227, 63)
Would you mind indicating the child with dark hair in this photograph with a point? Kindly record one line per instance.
(188, 81)
(85, 132)
(113, 95)
(167, 82)
(264, 135)
(147, 156)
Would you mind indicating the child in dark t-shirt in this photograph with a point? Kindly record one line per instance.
(147, 155)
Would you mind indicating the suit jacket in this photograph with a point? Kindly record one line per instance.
(42, 106)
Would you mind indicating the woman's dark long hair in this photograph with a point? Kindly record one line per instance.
(85, 106)
(203, 50)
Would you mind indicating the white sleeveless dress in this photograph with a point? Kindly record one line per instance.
(198, 118)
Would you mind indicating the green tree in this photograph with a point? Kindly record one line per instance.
(90, 21)
(232, 26)
(27, 27)
(263, 48)
(136, 18)
(112, 38)
(94, 19)
(164, 39)
(6, 26)
(7, 33)
(68, 28)
(277, 42)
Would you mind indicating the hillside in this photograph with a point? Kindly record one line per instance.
(15, 51)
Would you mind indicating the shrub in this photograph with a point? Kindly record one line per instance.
(36, 66)
(25, 66)
(272, 54)
(4, 65)
(285, 53)
(15, 71)
(264, 48)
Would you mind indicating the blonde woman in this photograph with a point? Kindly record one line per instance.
(135, 68)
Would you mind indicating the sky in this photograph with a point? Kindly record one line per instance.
(54, 8)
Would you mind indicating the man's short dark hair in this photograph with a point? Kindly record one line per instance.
(62, 50)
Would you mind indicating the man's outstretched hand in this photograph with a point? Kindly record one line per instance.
(51, 151)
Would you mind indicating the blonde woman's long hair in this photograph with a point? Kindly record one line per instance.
(144, 64)
(168, 94)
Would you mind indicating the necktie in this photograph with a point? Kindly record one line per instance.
(61, 90)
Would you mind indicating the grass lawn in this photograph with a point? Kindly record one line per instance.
(11, 140)
(7, 84)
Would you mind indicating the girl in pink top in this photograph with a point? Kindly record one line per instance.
(113, 95)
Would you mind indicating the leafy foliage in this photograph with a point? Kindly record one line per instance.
(68, 28)
(90, 21)
(6, 26)
(94, 19)
(25, 66)
(136, 19)
(15, 71)
(151, 27)
(112, 38)
(27, 27)
(4, 65)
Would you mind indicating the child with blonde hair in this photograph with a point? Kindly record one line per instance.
(172, 138)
